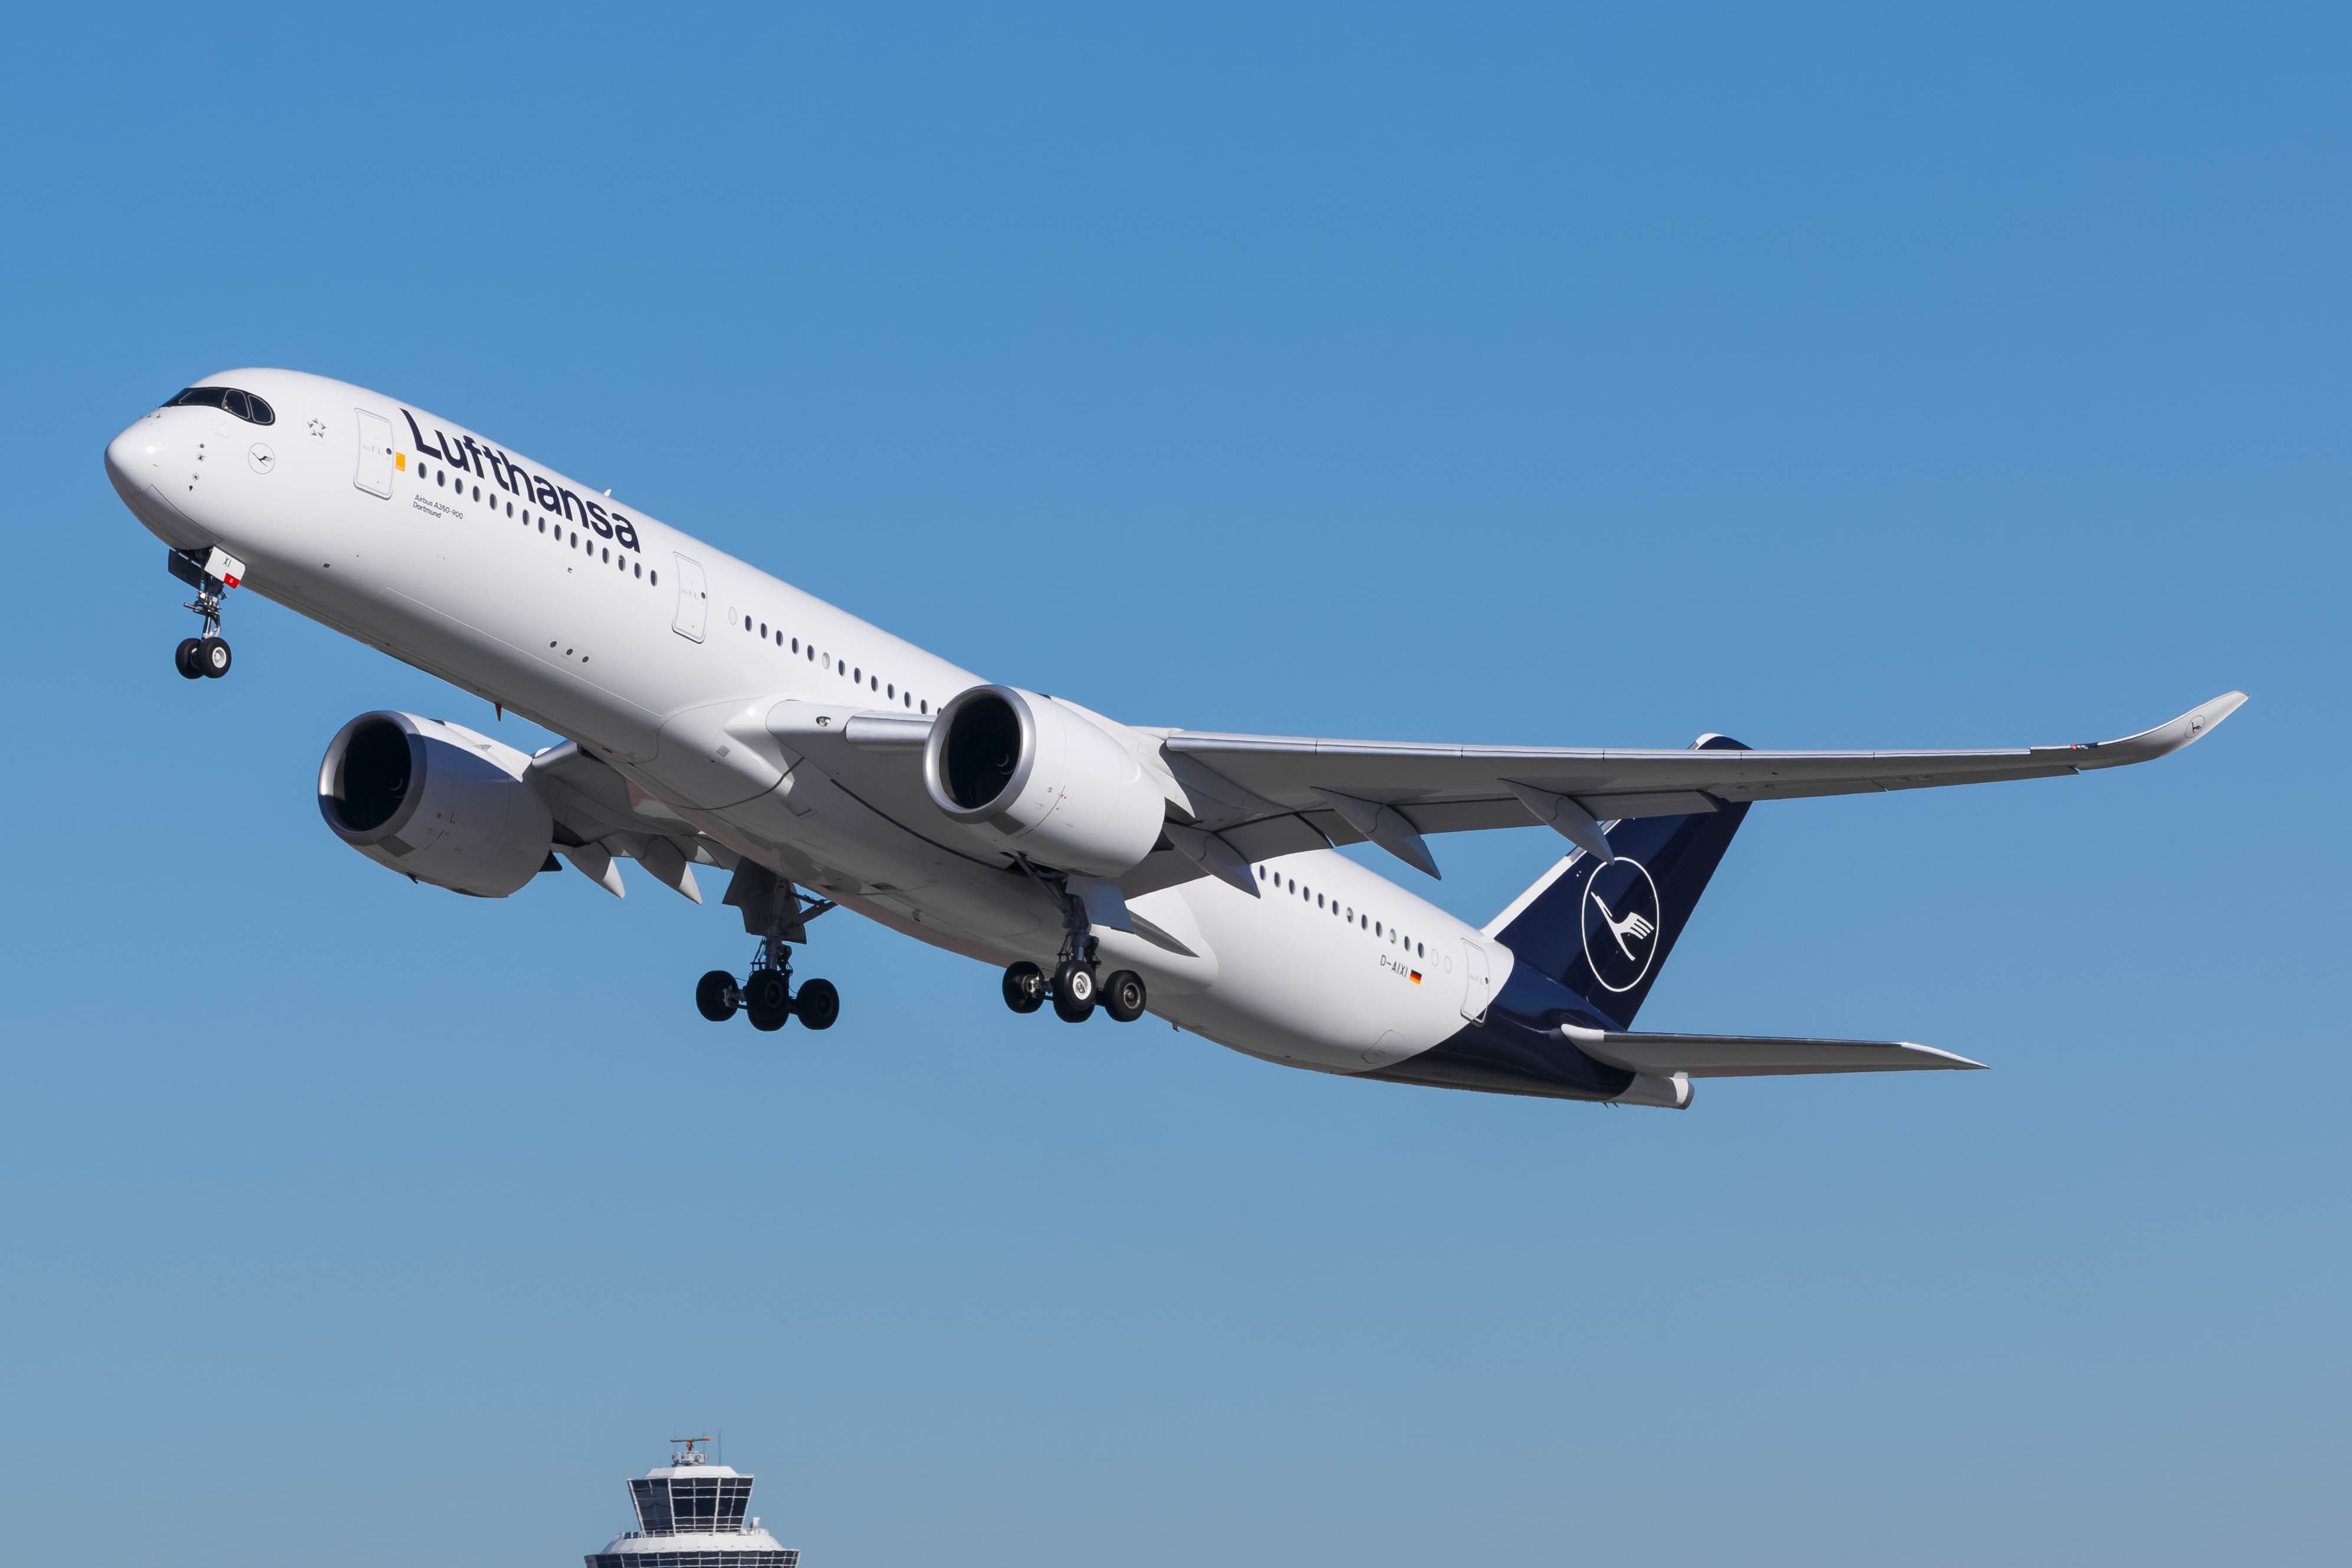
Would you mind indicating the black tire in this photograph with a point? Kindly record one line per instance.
(715, 995)
(818, 1004)
(1025, 988)
(1122, 996)
(767, 1000)
(212, 657)
(184, 659)
(1074, 993)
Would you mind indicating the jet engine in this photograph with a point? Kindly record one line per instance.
(1028, 774)
(436, 801)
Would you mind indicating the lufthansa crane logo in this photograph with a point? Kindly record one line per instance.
(1620, 923)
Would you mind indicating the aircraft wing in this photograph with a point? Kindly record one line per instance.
(600, 818)
(1268, 795)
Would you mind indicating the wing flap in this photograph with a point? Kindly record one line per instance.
(1756, 1056)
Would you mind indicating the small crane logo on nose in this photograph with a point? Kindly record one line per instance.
(262, 457)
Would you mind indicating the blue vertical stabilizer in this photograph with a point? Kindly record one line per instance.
(1603, 930)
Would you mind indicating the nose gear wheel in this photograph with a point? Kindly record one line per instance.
(205, 655)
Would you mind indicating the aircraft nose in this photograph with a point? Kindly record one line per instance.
(132, 459)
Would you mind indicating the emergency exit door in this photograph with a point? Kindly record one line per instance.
(693, 600)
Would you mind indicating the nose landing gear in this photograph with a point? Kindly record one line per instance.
(216, 574)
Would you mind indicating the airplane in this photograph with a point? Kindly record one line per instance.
(715, 716)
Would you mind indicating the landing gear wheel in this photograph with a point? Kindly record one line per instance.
(1123, 996)
(716, 998)
(184, 657)
(818, 1004)
(1074, 992)
(768, 999)
(1025, 988)
(212, 657)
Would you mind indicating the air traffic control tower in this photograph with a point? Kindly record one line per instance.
(690, 1515)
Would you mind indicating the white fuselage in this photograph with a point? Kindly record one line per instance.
(521, 586)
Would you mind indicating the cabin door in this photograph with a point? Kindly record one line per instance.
(1478, 983)
(693, 600)
(374, 472)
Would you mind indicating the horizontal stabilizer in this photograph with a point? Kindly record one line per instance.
(1754, 1056)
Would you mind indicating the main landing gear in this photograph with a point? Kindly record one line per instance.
(212, 576)
(1074, 991)
(774, 910)
(1075, 988)
(766, 995)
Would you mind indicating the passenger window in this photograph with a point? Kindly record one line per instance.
(637, 568)
(654, 578)
(890, 692)
(927, 704)
(440, 476)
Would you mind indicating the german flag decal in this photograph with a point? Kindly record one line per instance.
(1416, 977)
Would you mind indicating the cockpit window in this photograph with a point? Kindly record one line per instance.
(243, 404)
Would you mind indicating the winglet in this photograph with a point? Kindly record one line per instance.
(2163, 740)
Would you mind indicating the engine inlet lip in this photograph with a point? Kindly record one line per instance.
(942, 731)
(331, 796)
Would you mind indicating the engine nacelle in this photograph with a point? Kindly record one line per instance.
(436, 801)
(1027, 775)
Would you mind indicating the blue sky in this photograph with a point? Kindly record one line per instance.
(1824, 376)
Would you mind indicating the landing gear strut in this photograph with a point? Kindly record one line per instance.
(211, 577)
(1075, 988)
(774, 911)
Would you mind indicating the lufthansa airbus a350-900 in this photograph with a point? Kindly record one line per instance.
(717, 716)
